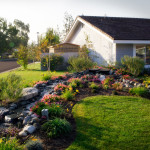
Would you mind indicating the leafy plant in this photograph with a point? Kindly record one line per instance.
(78, 64)
(57, 127)
(9, 132)
(117, 86)
(61, 87)
(55, 61)
(11, 87)
(10, 144)
(94, 87)
(47, 76)
(107, 83)
(134, 65)
(68, 95)
(34, 145)
(139, 91)
(22, 56)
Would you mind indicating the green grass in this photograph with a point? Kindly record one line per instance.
(112, 123)
(33, 73)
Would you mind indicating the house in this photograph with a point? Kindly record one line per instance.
(65, 49)
(110, 38)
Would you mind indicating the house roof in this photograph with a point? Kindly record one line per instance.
(121, 28)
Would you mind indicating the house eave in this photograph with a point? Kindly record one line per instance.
(132, 41)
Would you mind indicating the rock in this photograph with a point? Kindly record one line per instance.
(13, 106)
(4, 111)
(29, 93)
(36, 125)
(45, 113)
(139, 85)
(102, 77)
(11, 118)
(23, 133)
(20, 119)
(35, 120)
(26, 120)
(29, 129)
(6, 125)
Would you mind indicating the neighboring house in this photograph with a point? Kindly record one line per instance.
(110, 38)
(66, 50)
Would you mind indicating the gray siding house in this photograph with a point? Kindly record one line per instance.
(110, 38)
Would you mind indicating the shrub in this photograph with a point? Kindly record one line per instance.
(57, 127)
(139, 91)
(61, 87)
(75, 81)
(68, 95)
(9, 132)
(22, 56)
(107, 83)
(90, 78)
(78, 64)
(10, 144)
(34, 145)
(117, 86)
(134, 65)
(55, 61)
(94, 87)
(55, 110)
(48, 99)
(11, 87)
(121, 71)
(47, 76)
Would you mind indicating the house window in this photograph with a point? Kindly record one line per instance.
(143, 52)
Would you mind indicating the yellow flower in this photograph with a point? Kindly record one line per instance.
(57, 106)
(71, 105)
(34, 139)
(77, 91)
(67, 110)
(1, 140)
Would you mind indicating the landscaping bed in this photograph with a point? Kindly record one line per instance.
(47, 118)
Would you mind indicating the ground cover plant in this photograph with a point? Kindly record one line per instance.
(112, 122)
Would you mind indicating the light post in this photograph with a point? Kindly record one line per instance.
(38, 38)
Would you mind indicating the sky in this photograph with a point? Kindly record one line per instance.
(43, 14)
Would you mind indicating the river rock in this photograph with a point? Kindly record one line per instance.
(26, 120)
(29, 128)
(29, 93)
(4, 111)
(11, 118)
(23, 133)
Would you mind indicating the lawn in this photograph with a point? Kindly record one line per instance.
(33, 73)
(112, 123)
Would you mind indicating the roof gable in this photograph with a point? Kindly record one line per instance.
(121, 28)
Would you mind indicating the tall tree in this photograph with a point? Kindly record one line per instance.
(51, 38)
(12, 35)
(68, 22)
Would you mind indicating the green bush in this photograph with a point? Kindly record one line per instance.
(34, 145)
(94, 87)
(57, 127)
(55, 110)
(55, 61)
(134, 65)
(68, 95)
(139, 91)
(78, 64)
(10, 144)
(11, 87)
(47, 76)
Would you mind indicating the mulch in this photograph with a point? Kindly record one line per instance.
(65, 141)
(8, 65)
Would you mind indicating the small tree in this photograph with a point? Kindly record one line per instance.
(23, 56)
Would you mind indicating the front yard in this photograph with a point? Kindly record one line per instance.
(112, 122)
(33, 73)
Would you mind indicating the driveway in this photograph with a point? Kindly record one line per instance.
(8, 65)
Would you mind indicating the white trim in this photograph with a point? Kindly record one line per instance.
(132, 41)
(134, 50)
(147, 66)
(87, 24)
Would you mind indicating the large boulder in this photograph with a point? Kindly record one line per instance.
(29, 93)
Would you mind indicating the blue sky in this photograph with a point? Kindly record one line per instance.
(42, 14)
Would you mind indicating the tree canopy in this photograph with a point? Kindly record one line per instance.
(12, 35)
